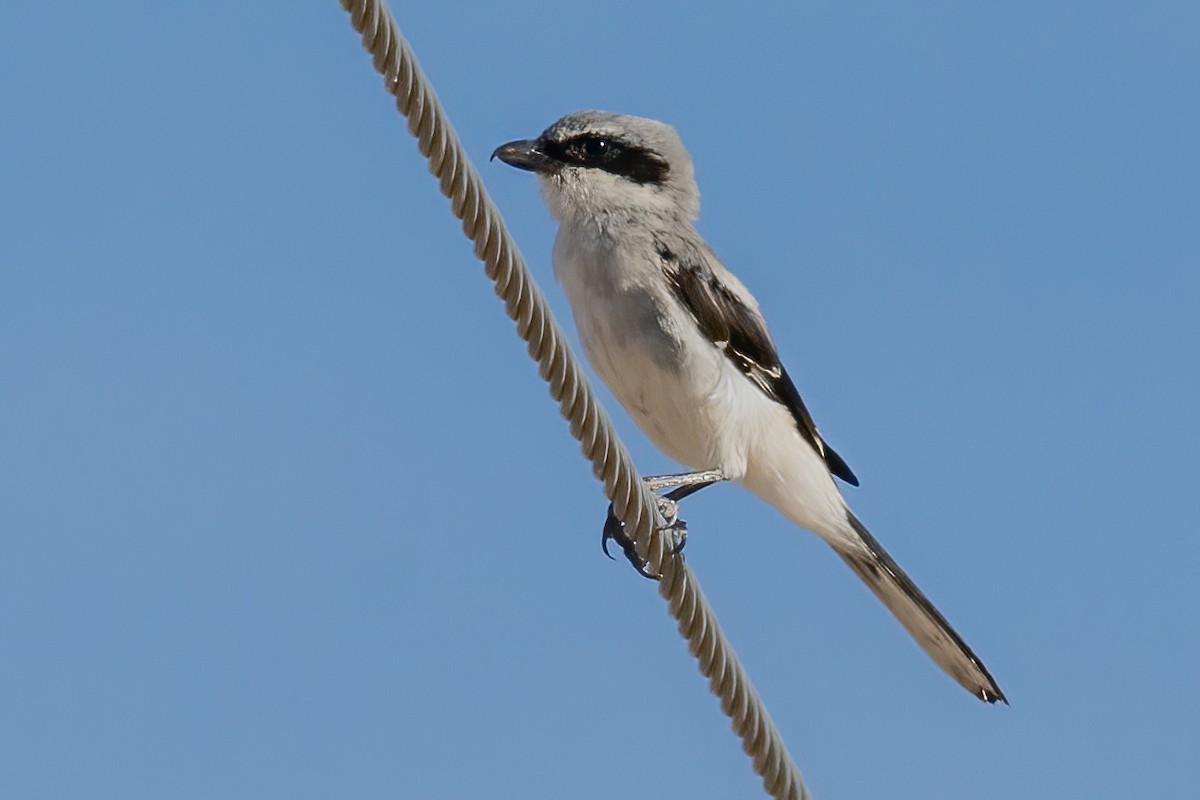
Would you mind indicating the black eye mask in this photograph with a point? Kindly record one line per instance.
(637, 164)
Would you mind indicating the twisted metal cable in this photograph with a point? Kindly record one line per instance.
(633, 503)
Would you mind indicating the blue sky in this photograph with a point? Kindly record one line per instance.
(287, 512)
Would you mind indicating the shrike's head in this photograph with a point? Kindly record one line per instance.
(603, 167)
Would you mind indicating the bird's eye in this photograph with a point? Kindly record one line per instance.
(591, 150)
(595, 148)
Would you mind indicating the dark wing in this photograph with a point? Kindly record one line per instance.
(740, 333)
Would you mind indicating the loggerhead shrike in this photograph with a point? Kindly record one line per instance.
(682, 345)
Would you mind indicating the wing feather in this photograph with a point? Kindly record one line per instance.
(739, 331)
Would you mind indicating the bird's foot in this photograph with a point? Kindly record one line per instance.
(668, 506)
(614, 530)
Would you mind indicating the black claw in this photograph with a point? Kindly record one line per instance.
(644, 571)
(680, 530)
(614, 530)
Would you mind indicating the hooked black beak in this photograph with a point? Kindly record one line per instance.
(522, 154)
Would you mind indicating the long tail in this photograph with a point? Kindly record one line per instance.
(926, 624)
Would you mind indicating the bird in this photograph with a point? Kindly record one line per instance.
(682, 345)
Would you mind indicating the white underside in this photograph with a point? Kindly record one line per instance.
(681, 390)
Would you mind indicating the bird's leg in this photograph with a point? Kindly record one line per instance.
(693, 479)
(683, 485)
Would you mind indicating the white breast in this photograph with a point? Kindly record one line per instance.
(648, 352)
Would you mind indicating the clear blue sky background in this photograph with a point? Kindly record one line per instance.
(286, 511)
